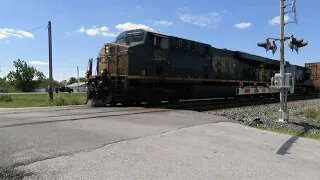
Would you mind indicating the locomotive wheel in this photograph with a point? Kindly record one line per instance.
(113, 103)
(129, 102)
(130, 99)
(155, 100)
(157, 96)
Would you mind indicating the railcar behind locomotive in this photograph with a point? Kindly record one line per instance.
(315, 71)
(143, 65)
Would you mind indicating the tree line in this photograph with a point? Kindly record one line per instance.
(26, 78)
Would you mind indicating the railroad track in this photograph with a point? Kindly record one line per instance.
(7, 111)
(77, 117)
(214, 104)
(195, 105)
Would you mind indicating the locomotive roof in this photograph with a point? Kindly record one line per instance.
(163, 34)
(153, 31)
(253, 57)
(238, 54)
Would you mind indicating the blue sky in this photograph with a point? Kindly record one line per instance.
(80, 28)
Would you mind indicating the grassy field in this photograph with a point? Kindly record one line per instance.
(42, 100)
(312, 114)
(291, 132)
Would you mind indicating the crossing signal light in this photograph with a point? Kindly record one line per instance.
(295, 43)
(274, 47)
(268, 46)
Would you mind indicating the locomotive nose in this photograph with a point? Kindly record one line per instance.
(114, 51)
(112, 59)
(110, 50)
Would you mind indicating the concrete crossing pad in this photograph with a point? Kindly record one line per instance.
(212, 151)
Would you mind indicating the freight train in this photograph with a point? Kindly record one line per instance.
(147, 66)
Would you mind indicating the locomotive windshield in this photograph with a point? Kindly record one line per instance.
(131, 36)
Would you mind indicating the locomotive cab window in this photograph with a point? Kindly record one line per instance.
(130, 37)
(134, 37)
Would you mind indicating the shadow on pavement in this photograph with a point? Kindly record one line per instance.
(288, 144)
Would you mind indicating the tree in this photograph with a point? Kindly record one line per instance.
(63, 83)
(5, 86)
(45, 82)
(26, 78)
(83, 79)
(72, 80)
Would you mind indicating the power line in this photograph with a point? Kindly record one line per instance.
(37, 28)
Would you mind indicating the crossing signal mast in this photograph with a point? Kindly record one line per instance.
(283, 81)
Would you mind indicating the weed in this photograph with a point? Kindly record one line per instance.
(5, 98)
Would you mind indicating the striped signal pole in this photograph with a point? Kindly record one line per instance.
(284, 111)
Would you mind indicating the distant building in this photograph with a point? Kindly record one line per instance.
(40, 90)
(74, 86)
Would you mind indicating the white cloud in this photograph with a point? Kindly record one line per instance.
(95, 31)
(38, 63)
(207, 20)
(7, 33)
(130, 26)
(276, 20)
(163, 22)
(2, 36)
(243, 25)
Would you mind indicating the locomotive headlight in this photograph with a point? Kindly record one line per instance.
(107, 49)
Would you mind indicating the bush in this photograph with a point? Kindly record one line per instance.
(3, 90)
(75, 100)
(6, 87)
(64, 99)
(5, 98)
(60, 100)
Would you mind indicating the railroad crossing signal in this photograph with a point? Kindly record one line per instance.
(268, 46)
(295, 43)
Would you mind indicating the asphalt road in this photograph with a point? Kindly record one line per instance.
(142, 143)
(32, 135)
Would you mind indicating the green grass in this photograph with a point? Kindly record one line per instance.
(311, 113)
(290, 132)
(63, 99)
(42, 100)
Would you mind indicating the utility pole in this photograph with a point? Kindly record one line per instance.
(78, 77)
(50, 63)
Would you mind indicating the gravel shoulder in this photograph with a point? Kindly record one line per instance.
(266, 117)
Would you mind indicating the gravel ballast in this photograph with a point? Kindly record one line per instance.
(266, 116)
